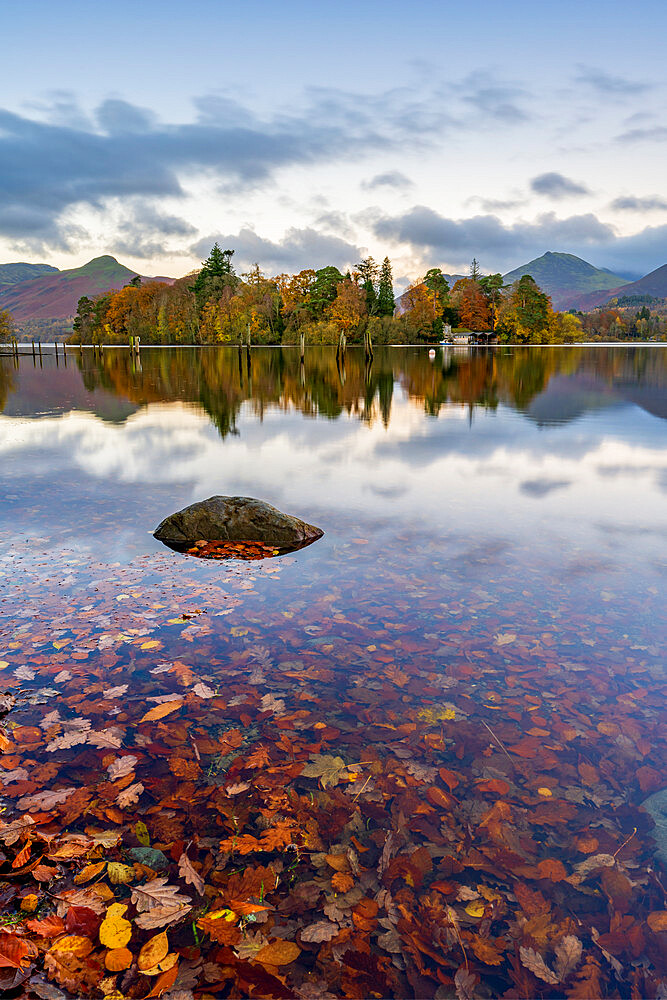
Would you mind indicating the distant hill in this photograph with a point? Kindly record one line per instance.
(13, 274)
(653, 284)
(565, 277)
(55, 295)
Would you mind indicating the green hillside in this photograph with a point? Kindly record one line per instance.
(13, 274)
(564, 277)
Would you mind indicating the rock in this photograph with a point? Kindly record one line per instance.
(235, 519)
(656, 806)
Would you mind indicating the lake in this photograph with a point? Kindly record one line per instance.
(407, 760)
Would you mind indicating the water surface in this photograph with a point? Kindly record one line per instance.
(484, 616)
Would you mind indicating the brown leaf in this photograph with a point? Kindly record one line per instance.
(157, 894)
(536, 964)
(161, 711)
(568, 955)
(191, 876)
(323, 930)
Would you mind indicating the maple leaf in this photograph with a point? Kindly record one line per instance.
(190, 874)
(504, 638)
(536, 964)
(327, 768)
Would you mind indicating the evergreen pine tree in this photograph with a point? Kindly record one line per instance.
(385, 297)
(216, 270)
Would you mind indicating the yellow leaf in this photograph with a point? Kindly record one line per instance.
(90, 871)
(29, 903)
(142, 834)
(225, 914)
(475, 908)
(120, 874)
(160, 711)
(3, 664)
(167, 963)
(151, 644)
(115, 931)
(153, 952)
(545, 792)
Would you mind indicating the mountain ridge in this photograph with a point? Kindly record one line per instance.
(565, 277)
(54, 296)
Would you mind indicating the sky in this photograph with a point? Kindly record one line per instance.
(302, 135)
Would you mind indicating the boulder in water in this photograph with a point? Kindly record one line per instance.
(235, 519)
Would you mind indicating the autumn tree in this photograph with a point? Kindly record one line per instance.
(472, 304)
(492, 285)
(423, 307)
(6, 325)
(295, 297)
(524, 314)
(386, 303)
(349, 307)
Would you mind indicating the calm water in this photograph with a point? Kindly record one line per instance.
(492, 576)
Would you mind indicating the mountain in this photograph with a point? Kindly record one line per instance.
(653, 284)
(55, 295)
(565, 277)
(13, 274)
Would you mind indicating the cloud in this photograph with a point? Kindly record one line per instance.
(392, 179)
(607, 83)
(502, 247)
(657, 134)
(298, 249)
(494, 100)
(632, 204)
(65, 159)
(556, 186)
(486, 237)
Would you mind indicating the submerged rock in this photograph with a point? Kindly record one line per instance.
(235, 519)
(656, 806)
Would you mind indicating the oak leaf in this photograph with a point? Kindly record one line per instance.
(45, 800)
(129, 796)
(534, 962)
(323, 930)
(190, 875)
(568, 955)
(121, 766)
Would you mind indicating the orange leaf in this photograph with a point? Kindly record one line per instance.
(161, 711)
(342, 882)
(278, 953)
(657, 920)
(118, 959)
(13, 952)
(51, 926)
(552, 869)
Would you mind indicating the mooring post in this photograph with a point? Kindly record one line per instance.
(39, 344)
(137, 345)
(33, 350)
(303, 348)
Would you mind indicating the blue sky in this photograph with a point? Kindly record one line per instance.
(304, 135)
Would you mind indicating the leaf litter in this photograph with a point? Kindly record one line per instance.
(296, 801)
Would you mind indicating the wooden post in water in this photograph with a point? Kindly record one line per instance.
(39, 344)
(33, 350)
(302, 341)
(368, 345)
